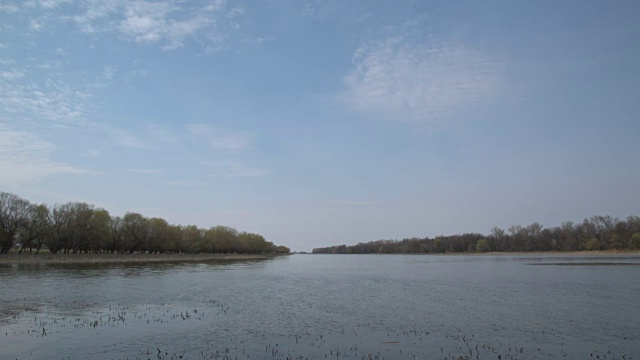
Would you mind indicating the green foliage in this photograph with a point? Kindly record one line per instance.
(595, 233)
(14, 213)
(593, 244)
(634, 242)
(282, 250)
(79, 227)
(482, 245)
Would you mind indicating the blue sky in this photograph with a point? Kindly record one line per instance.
(317, 123)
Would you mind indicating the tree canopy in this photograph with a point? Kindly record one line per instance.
(595, 233)
(78, 227)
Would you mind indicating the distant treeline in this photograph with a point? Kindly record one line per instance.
(596, 233)
(78, 227)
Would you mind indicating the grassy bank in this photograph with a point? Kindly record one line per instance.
(48, 258)
(563, 253)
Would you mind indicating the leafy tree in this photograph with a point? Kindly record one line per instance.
(135, 232)
(79, 227)
(191, 238)
(482, 245)
(159, 235)
(634, 242)
(100, 225)
(593, 244)
(14, 213)
(282, 249)
(36, 229)
(115, 240)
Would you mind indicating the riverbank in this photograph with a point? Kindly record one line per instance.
(556, 253)
(124, 258)
(516, 253)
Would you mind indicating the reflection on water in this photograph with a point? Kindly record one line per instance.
(312, 306)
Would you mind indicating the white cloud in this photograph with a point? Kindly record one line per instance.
(232, 168)
(93, 153)
(6, 61)
(12, 74)
(26, 157)
(199, 129)
(125, 138)
(52, 4)
(108, 73)
(50, 98)
(162, 135)
(220, 139)
(352, 202)
(94, 12)
(168, 23)
(421, 81)
(9, 8)
(215, 5)
(35, 25)
(184, 183)
(230, 143)
(143, 171)
(235, 12)
(152, 22)
(178, 31)
(145, 21)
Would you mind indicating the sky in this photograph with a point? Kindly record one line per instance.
(318, 123)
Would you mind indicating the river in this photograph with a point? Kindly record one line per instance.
(326, 306)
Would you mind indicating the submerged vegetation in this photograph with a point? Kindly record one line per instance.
(78, 227)
(596, 233)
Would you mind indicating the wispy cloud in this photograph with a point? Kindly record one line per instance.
(143, 171)
(235, 12)
(93, 153)
(145, 21)
(12, 74)
(92, 18)
(168, 23)
(36, 24)
(199, 129)
(221, 140)
(352, 202)
(125, 138)
(230, 143)
(215, 5)
(25, 157)
(162, 135)
(52, 4)
(232, 168)
(320, 9)
(184, 183)
(421, 80)
(46, 93)
(9, 8)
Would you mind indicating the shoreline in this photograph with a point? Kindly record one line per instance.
(556, 253)
(37, 259)
(515, 253)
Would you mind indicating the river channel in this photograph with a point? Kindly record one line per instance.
(326, 306)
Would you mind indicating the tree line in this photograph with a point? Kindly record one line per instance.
(78, 227)
(595, 233)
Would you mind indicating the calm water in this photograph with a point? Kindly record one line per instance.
(333, 306)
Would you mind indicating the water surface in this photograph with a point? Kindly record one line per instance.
(338, 306)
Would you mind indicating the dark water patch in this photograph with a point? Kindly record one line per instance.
(590, 263)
